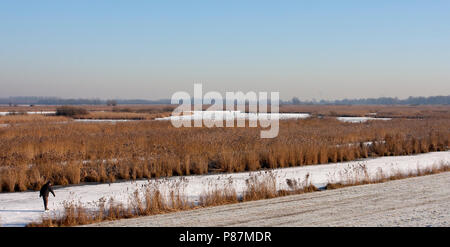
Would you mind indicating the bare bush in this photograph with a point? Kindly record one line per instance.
(71, 111)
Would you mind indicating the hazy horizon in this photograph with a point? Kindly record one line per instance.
(141, 50)
(168, 98)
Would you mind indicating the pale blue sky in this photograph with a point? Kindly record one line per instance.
(150, 49)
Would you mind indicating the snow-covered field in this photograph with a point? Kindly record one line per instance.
(221, 116)
(17, 209)
(30, 112)
(360, 119)
(412, 202)
(231, 115)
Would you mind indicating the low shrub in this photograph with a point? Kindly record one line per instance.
(70, 111)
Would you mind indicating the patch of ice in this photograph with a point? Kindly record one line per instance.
(232, 115)
(29, 112)
(102, 120)
(359, 119)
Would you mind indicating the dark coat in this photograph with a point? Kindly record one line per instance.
(46, 189)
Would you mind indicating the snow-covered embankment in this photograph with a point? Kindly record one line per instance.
(20, 208)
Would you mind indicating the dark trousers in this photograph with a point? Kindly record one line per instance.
(45, 198)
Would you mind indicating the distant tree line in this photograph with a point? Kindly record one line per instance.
(432, 100)
(60, 101)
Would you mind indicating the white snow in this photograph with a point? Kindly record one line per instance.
(102, 120)
(359, 119)
(20, 208)
(29, 112)
(231, 115)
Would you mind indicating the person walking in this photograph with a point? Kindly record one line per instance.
(45, 190)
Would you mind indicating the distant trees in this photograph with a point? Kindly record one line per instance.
(111, 102)
(432, 100)
(59, 101)
(296, 101)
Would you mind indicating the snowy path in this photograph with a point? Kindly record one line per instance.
(419, 201)
(17, 209)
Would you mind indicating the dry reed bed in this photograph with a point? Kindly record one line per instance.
(31, 118)
(405, 111)
(81, 152)
(122, 115)
(391, 111)
(151, 201)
